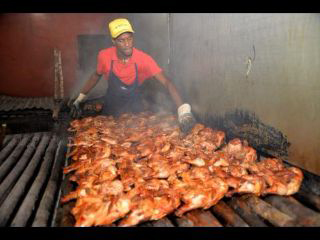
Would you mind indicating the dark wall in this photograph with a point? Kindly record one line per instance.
(26, 45)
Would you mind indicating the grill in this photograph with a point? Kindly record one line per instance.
(31, 184)
(30, 172)
(299, 210)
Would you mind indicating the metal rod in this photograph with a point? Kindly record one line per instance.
(14, 156)
(12, 177)
(8, 149)
(29, 203)
(19, 189)
(199, 218)
(268, 212)
(241, 207)
(223, 210)
(303, 216)
(44, 210)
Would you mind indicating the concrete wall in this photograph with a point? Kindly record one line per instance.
(209, 55)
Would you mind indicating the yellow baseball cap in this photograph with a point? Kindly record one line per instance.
(119, 26)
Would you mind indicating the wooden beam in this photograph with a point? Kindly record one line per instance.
(223, 210)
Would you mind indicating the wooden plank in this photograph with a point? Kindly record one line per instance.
(29, 203)
(198, 218)
(9, 204)
(231, 217)
(268, 212)
(303, 215)
(241, 207)
(308, 198)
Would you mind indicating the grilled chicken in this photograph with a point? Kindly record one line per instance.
(140, 167)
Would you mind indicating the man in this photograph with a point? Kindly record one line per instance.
(126, 68)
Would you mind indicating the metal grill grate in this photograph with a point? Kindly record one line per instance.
(30, 165)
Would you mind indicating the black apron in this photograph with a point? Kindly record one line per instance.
(120, 97)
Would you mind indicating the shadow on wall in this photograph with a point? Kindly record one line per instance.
(246, 125)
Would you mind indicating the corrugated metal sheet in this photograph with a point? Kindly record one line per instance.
(8, 103)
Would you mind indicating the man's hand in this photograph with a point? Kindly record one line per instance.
(185, 117)
(76, 108)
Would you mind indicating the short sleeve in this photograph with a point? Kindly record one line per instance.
(152, 67)
(100, 63)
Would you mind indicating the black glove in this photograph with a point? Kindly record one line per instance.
(186, 119)
(76, 110)
(187, 122)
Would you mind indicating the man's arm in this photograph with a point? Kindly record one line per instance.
(185, 116)
(171, 88)
(75, 109)
(94, 78)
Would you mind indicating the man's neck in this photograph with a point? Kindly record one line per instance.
(122, 57)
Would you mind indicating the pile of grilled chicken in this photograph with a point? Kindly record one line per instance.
(140, 167)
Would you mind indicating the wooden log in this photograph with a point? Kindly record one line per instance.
(308, 198)
(290, 206)
(241, 207)
(268, 212)
(20, 187)
(15, 173)
(44, 210)
(14, 156)
(223, 210)
(198, 218)
(29, 203)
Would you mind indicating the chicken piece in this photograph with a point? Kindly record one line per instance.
(286, 182)
(160, 166)
(249, 184)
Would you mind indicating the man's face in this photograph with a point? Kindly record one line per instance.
(124, 44)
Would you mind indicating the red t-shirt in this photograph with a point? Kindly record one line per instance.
(147, 66)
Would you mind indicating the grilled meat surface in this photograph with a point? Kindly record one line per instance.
(137, 168)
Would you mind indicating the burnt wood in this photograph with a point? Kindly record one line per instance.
(268, 212)
(231, 218)
(290, 206)
(47, 202)
(14, 156)
(29, 203)
(15, 195)
(12, 177)
(198, 218)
